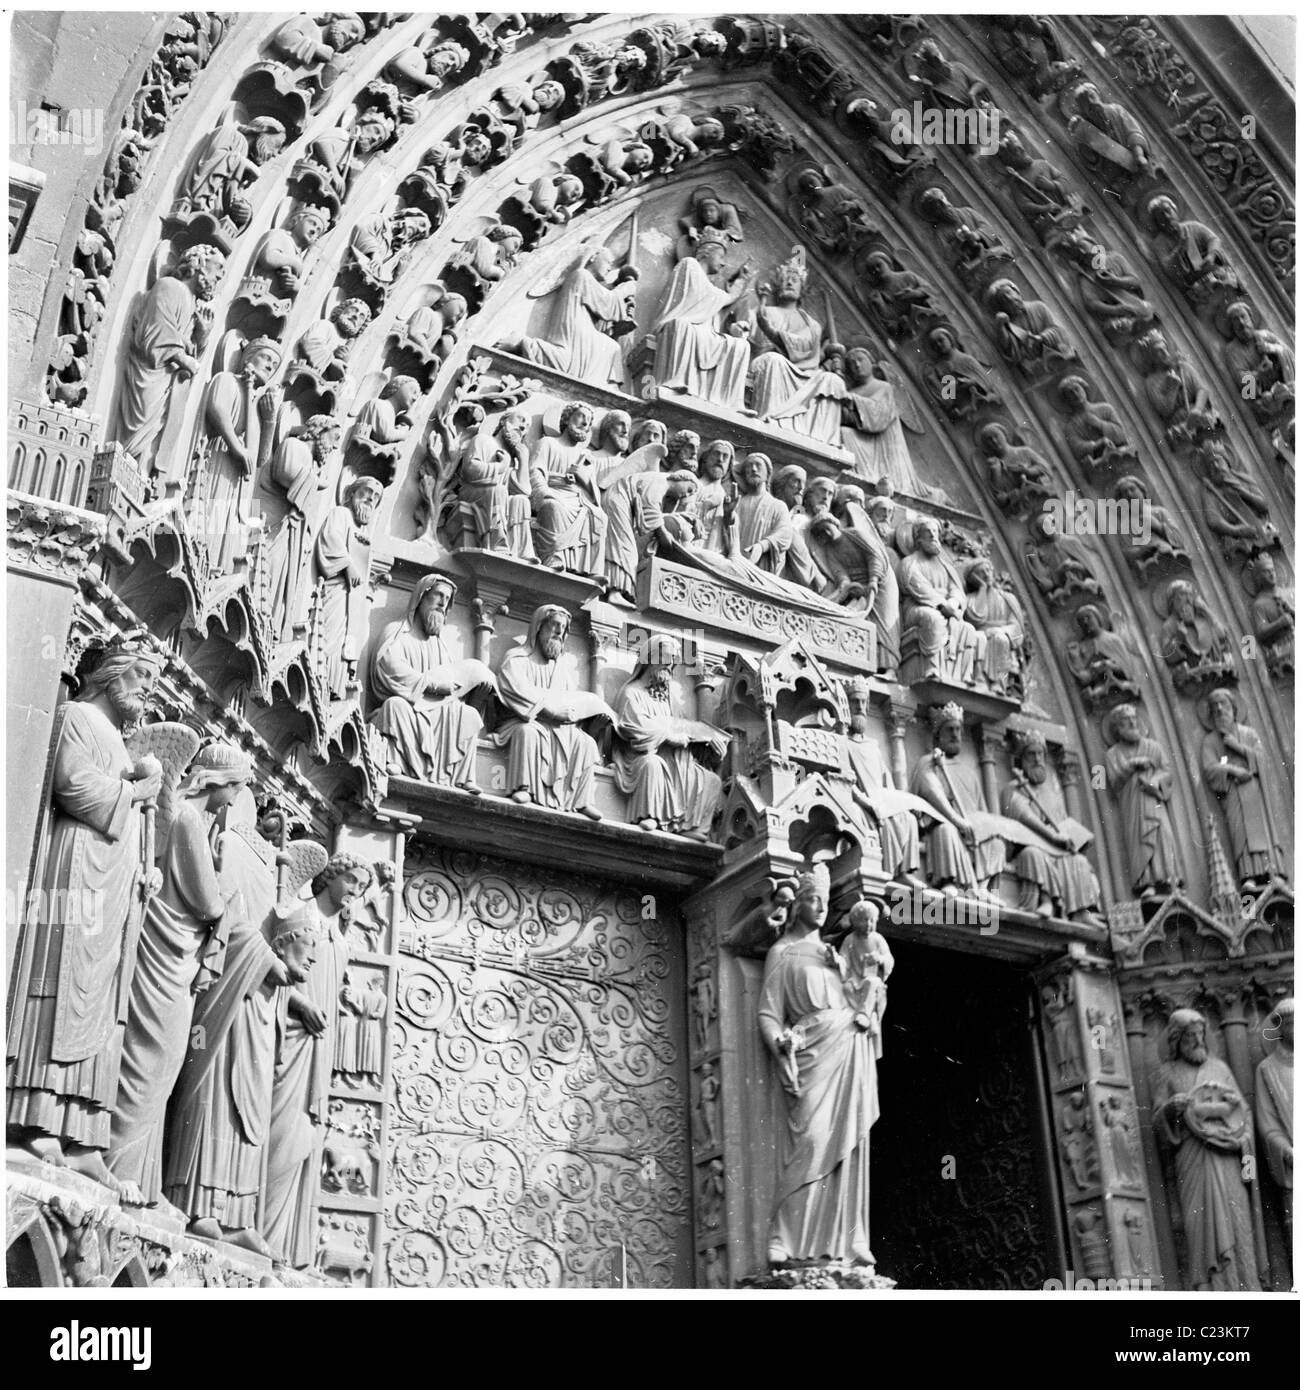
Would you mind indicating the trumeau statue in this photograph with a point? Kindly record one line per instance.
(431, 732)
(341, 568)
(825, 1048)
(306, 1022)
(655, 758)
(594, 301)
(168, 331)
(72, 978)
(1232, 757)
(965, 851)
(1275, 1105)
(550, 758)
(568, 523)
(1201, 1114)
(697, 352)
(1053, 870)
(181, 953)
(1137, 773)
(221, 1109)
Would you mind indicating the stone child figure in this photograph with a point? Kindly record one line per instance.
(1201, 1114)
(826, 1059)
(868, 964)
(70, 983)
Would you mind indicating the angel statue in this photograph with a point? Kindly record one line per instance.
(873, 414)
(592, 301)
(221, 1110)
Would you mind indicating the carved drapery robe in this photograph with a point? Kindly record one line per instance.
(894, 811)
(1062, 874)
(300, 1107)
(296, 473)
(822, 1180)
(873, 434)
(220, 1114)
(163, 326)
(359, 1047)
(343, 606)
(226, 487)
(948, 858)
(431, 738)
(859, 556)
(996, 614)
(949, 647)
(663, 780)
(1209, 1136)
(1143, 795)
(78, 954)
(691, 354)
(494, 497)
(552, 761)
(574, 341)
(789, 383)
(1256, 847)
(180, 952)
(761, 519)
(634, 511)
(1275, 1119)
(568, 523)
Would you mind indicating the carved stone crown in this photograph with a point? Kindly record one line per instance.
(815, 880)
(951, 713)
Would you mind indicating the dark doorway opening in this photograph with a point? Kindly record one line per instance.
(961, 1193)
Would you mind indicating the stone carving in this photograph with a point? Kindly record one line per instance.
(1108, 138)
(1040, 191)
(341, 568)
(964, 845)
(298, 470)
(788, 485)
(1137, 772)
(1231, 759)
(568, 523)
(876, 407)
(1025, 331)
(757, 525)
(659, 757)
(321, 356)
(552, 201)
(708, 1092)
(1121, 1142)
(1094, 432)
(359, 1052)
(1235, 508)
(846, 549)
(641, 509)
(168, 331)
(428, 67)
(280, 262)
(1274, 1106)
(1078, 1144)
(71, 981)
(1019, 476)
(222, 1107)
(384, 424)
(1195, 645)
(1030, 48)
(892, 811)
(1059, 564)
(180, 954)
(431, 330)
(430, 728)
(1059, 877)
(1201, 1115)
(1192, 255)
(484, 260)
(948, 84)
(935, 631)
(832, 215)
(592, 306)
(902, 302)
(380, 246)
(1261, 365)
(958, 383)
(1164, 545)
(872, 129)
(224, 162)
(550, 756)
(238, 415)
(995, 612)
(1106, 666)
(821, 1050)
(1109, 289)
(1273, 610)
(975, 247)
(495, 486)
(1176, 392)
(868, 963)
(304, 1055)
(699, 350)
(1058, 1005)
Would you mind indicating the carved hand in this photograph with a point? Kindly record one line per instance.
(278, 975)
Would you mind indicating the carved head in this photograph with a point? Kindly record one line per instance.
(431, 602)
(1162, 213)
(403, 391)
(454, 308)
(1011, 152)
(615, 431)
(549, 629)
(344, 31)
(881, 511)
(1156, 346)
(716, 460)
(930, 57)
(1031, 757)
(812, 896)
(711, 252)
(219, 769)
(683, 450)
(1088, 620)
(372, 131)
(864, 917)
(1264, 571)
(1239, 320)
(791, 276)
(1131, 489)
(362, 498)
(1074, 392)
(663, 655)
(266, 137)
(934, 205)
(323, 432)
(576, 420)
(861, 365)
(788, 484)
(833, 358)
(941, 342)
(202, 267)
(508, 241)
(295, 937)
(926, 534)
(1124, 724)
(637, 156)
(710, 130)
(1005, 295)
(259, 360)
(351, 317)
(649, 432)
(124, 670)
(475, 147)
(1087, 96)
(1182, 601)
(512, 428)
(410, 226)
(548, 95)
(979, 575)
(946, 723)
(818, 495)
(1222, 707)
(993, 440)
(1283, 1019)
(568, 189)
(344, 879)
(1186, 1036)
(308, 225)
(447, 58)
(755, 472)
(682, 483)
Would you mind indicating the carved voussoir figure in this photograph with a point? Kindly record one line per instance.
(341, 566)
(1137, 773)
(72, 977)
(431, 731)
